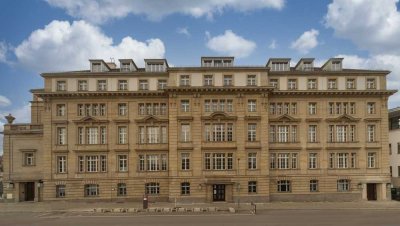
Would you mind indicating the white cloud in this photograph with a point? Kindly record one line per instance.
(372, 25)
(307, 41)
(183, 31)
(4, 101)
(100, 11)
(64, 46)
(3, 52)
(231, 44)
(273, 44)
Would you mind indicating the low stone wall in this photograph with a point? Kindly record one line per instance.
(329, 197)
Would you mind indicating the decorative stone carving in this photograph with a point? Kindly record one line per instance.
(10, 119)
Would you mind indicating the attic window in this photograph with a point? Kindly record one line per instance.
(125, 67)
(218, 63)
(96, 67)
(155, 67)
(336, 66)
(307, 66)
(279, 66)
(207, 63)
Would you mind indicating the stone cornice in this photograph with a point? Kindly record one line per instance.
(219, 89)
(334, 92)
(100, 94)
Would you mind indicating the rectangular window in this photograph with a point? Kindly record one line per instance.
(274, 83)
(292, 84)
(228, 81)
(91, 190)
(312, 108)
(371, 108)
(283, 186)
(185, 133)
(122, 85)
(313, 185)
(332, 84)
(312, 133)
(61, 135)
(143, 85)
(251, 80)
(185, 188)
(184, 80)
(252, 161)
(162, 84)
(312, 160)
(343, 185)
(218, 161)
(152, 188)
(251, 132)
(208, 80)
(312, 84)
(371, 158)
(60, 191)
(185, 105)
(252, 187)
(122, 163)
(92, 163)
(122, 134)
(251, 105)
(82, 85)
(92, 135)
(61, 110)
(61, 164)
(185, 161)
(121, 189)
(102, 85)
(81, 164)
(371, 83)
(350, 83)
(371, 133)
(61, 86)
(122, 109)
(29, 159)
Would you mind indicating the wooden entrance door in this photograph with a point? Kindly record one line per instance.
(219, 192)
(29, 191)
(371, 192)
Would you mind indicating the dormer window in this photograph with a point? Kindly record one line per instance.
(96, 67)
(218, 63)
(125, 67)
(155, 67)
(279, 66)
(207, 63)
(336, 66)
(307, 66)
(61, 85)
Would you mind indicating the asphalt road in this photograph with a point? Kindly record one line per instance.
(264, 218)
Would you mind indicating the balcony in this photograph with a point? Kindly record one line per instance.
(25, 128)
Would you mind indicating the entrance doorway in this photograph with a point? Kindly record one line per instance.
(27, 191)
(218, 192)
(371, 192)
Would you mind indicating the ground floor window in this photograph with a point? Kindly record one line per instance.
(60, 191)
(313, 185)
(343, 185)
(91, 190)
(121, 189)
(283, 185)
(252, 187)
(185, 188)
(153, 188)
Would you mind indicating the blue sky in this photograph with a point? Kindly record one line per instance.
(56, 35)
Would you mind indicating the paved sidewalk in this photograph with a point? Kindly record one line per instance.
(80, 206)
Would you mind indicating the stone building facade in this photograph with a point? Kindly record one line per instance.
(216, 132)
(394, 146)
